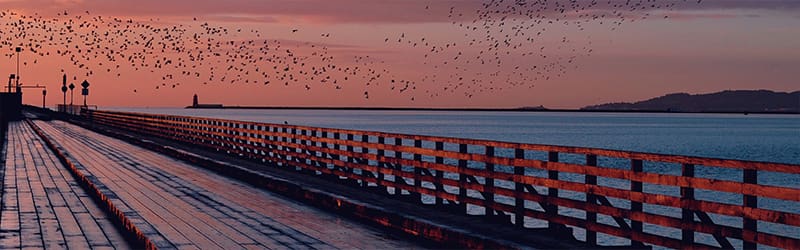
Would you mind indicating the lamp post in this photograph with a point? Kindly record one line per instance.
(18, 50)
(85, 92)
(71, 93)
(64, 91)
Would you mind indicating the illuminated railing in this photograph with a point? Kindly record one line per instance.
(665, 200)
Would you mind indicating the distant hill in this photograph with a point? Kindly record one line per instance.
(753, 101)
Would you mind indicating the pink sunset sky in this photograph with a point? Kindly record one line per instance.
(700, 48)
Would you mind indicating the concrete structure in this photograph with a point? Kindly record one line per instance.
(11, 106)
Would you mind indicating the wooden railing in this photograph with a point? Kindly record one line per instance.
(665, 200)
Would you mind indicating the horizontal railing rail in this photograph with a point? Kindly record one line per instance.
(665, 200)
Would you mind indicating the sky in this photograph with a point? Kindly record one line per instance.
(587, 56)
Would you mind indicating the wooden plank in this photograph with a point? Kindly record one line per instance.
(750, 176)
(519, 203)
(687, 214)
(637, 166)
(552, 192)
(462, 178)
(143, 169)
(54, 216)
(591, 181)
(489, 186)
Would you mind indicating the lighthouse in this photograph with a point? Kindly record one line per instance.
(194, 101)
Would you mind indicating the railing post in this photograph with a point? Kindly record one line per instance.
(265, 146)
(636, 187)
(687, 215)
(519, 188)
(285, 140)
(303, 150)
(488, 189)
(294, 144)
(591, 217)
(462, 179)
(552, 192)
(750, 201)
(313, 153)
(418, 172)
(364, 150)
(337, 147)
(381, 164)
(276, 149)
(350, 158)
(439, 174)
(398, 179)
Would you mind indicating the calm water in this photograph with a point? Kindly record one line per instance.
(774, 138)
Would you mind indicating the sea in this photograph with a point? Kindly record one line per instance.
(754, 137)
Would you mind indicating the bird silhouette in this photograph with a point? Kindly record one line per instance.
(505, 45)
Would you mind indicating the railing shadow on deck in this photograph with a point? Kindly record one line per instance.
(610, 196)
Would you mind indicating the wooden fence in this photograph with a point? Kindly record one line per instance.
(524, 184)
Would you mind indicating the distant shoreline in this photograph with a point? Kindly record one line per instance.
(488, 110)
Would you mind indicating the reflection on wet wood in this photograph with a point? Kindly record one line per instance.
(43, 206)
(174, 205)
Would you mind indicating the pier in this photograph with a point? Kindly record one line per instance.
(131, 180)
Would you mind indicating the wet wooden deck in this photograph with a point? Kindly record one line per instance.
(42, 204)
(180, 206)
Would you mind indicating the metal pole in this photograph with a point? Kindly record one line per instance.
(18, 49)
(71, 94)
(64, 93)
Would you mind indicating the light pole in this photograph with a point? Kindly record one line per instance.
(18, 50)
(71, 93)
(64, 91)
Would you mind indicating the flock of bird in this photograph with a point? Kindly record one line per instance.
(505, 44)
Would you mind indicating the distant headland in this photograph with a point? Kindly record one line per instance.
(730, 101)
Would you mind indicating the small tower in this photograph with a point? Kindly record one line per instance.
(194, 101)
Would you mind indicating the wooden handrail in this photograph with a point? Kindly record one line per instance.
(479, 178)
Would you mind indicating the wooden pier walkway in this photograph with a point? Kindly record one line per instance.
(128, 180)
(43, 206)
(172, 204)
